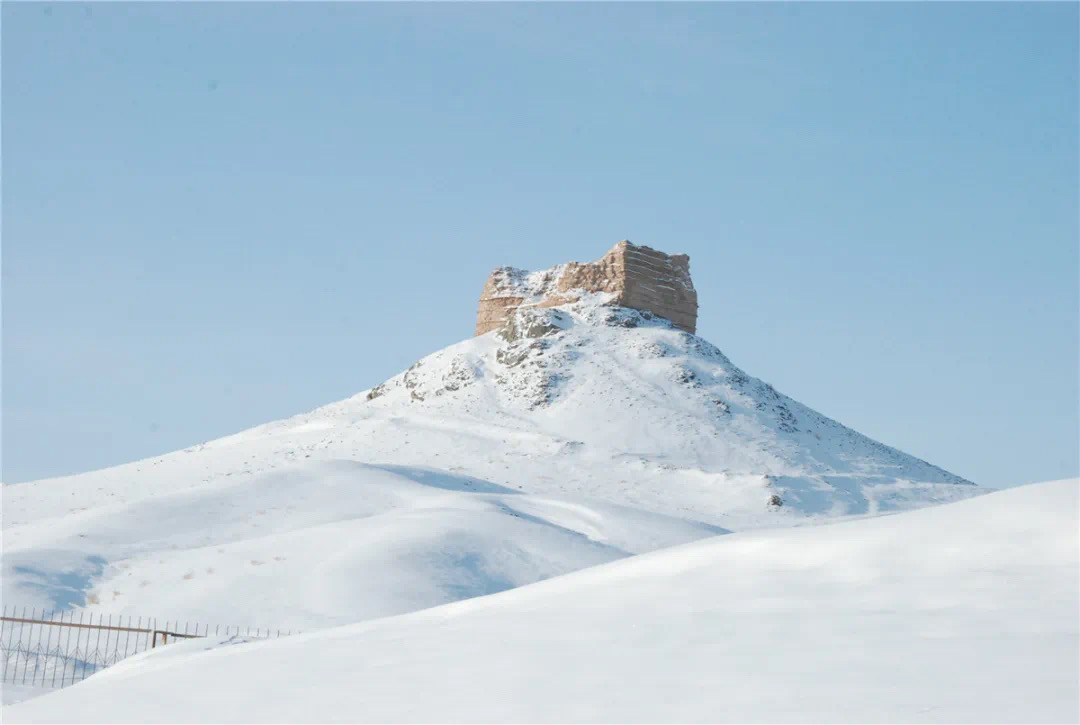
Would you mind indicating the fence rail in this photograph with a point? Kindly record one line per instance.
(36, 648)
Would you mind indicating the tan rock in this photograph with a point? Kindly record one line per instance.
(635, 276)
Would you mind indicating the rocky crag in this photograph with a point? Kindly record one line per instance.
(629, 275)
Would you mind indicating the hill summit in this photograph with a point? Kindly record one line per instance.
(592, 372)
(577, 430)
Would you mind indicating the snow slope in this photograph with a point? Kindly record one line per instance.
(327, 543)
(572, 437)
(958, 613)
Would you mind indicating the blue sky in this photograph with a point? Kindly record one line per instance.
(215, 215)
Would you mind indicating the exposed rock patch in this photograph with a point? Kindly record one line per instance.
(530, 324)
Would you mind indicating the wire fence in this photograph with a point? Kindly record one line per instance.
(57, 649)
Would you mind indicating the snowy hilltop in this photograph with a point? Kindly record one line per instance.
(589, 384)
(574, 432)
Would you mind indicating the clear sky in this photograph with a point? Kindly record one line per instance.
(216, 215)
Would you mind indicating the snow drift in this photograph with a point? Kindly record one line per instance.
(957, 613)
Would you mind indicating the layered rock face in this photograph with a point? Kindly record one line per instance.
(634, 276)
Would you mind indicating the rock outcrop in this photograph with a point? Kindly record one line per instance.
(633, 276)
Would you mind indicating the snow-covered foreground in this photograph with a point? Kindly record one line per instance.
(958, 613)
(11, 692)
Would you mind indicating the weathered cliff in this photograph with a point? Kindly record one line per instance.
(634, 276)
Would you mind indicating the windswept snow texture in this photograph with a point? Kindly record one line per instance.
(958, 613)
(328, 543)
(571, 437)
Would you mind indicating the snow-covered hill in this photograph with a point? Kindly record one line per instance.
(957, 613)
(570, 437)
